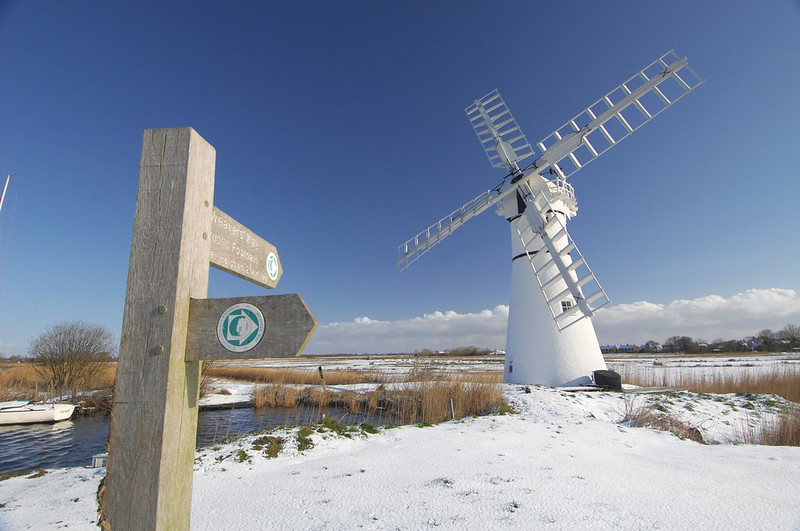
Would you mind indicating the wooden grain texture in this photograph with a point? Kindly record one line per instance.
(154, 415)
(241, 252)
(289, 327)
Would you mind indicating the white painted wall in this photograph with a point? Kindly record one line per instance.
(537, 352)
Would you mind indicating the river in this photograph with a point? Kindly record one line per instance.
(74, 442)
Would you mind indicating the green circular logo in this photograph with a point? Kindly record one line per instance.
(240, 327)
(272, 266)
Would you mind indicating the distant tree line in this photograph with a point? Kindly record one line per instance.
(458, 352)
(785, 339)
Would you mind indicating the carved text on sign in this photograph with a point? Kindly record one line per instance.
(237, 250)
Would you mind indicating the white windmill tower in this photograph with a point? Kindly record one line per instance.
(554, 294)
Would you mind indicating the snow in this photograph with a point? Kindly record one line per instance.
(62, 498)
(385, 364)
(234, 393)
(706, 364)
(562, 462)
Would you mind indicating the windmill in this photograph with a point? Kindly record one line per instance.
(554, 294)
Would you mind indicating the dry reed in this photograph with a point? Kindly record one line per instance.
(781, 430)
(20, 381)
(404, 403)
(344, 377)
(645, 416)
(295, 376)
(782, 381)
(275, 395)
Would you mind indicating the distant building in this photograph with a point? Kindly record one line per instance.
(755, 343)
(654, 346)
(608, 349)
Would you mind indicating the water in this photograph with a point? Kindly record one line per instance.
(66, 443)
(74, 442)
(217, 425)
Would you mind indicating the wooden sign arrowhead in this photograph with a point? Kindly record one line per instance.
(271, 326)
(239, 251)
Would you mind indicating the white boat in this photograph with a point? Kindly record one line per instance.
(25, 412)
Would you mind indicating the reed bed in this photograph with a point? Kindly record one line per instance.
(20, 381)
(782, 380)
(296, 376)
(430, 402)
(275, 395)
(425, 402)
(19, 376)
(344, 377)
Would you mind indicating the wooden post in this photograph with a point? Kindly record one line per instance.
(154, 418)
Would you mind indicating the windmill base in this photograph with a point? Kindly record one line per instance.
(537, 352)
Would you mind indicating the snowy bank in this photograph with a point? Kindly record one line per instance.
(562, 462)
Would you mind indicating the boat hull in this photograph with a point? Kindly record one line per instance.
(35, 413)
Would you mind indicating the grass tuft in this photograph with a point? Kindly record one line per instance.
(504, 408)
(304, 441)
(39, 473)
(270, 445)
(9, 475)
(335, 427)
(656, 419)
(368, 428)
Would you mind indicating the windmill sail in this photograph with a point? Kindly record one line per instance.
(559, 267)
(5, 189)
(568, 149)
(616, 115)
(498, 131)
(411, 250)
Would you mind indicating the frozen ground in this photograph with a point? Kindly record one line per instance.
(390, 364)
(654, 368)
(563, 462)
(714, 364)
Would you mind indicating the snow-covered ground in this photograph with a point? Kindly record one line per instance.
(674, 370)
(562, 462)
(638, 365)
(384, 364)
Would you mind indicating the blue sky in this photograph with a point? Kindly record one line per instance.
(340, 132)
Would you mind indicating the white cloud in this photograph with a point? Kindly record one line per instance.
(437, 330)
(708, 317)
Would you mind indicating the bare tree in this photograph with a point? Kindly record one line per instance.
(768, 338)
(681, 344)
(790, 332)
(71, 354)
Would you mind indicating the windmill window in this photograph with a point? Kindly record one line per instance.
(566, 305)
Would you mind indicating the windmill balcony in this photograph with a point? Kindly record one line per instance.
(561, 189)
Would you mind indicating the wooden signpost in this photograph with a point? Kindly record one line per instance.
(285, 321)
(169, 326)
